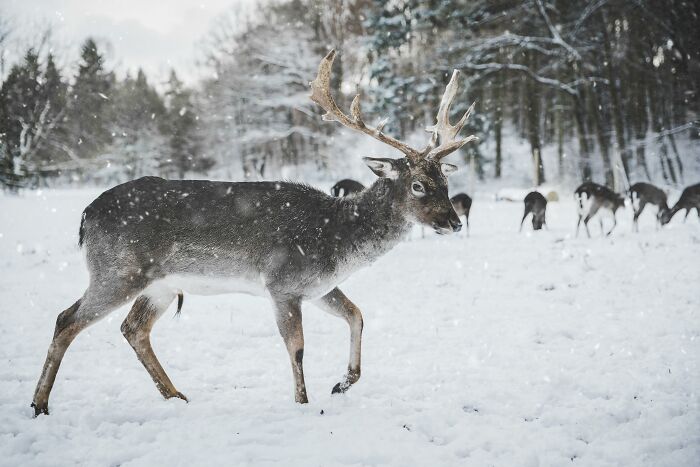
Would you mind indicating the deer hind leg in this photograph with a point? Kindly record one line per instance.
(137, 327)
(288, 316)
(614, 218)
(637, 213)
(336, 303)
(96, 303)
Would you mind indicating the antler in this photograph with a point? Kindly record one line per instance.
(443, 129)
(321, 94)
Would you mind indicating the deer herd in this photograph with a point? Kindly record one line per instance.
(149, 240)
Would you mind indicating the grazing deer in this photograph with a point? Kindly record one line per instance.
(346, 187)
(689, 200)
(592, 197)
(642, 194)
(536, 204)
(462, 204)
(147, 239)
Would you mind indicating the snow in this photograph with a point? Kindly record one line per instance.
(500, 349)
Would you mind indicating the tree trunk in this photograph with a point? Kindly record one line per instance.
(641, 125)
(579, 116)
(614, 94)
(603, 140)
(559, 129)
(498, 121)
(533, 124)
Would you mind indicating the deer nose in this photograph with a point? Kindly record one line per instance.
(455, 224)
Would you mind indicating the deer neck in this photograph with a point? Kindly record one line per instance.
(374, 220)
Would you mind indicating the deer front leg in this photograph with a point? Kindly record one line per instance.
(336, 303)
(288, 315)
(525, 215)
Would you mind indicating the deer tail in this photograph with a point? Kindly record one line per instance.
(180, 300)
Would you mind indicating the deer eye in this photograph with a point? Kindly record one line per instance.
(417, 189)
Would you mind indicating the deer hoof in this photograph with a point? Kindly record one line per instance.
(340, 388)
(301, 399)
(40, 409)
(179, 395)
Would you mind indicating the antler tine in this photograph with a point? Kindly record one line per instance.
(442, 128)
(321, 94)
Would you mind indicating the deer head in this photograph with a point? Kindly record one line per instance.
(420, 177)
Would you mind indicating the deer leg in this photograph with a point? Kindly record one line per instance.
(288, 315)
(466, 218)
(585, 224)
(136, 328)
(600, 221)
(578, 224)
(591, 212)
(613, 226)
(525, 215)
(95, 304)
(637, 213)
(336, 303)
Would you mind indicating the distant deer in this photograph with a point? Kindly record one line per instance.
(147, 239)
(462, 204)
(590, 198)
(689, 200)
(642, 194)
(536, 204)
(346, 187)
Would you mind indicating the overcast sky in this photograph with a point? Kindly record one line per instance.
(152, 34)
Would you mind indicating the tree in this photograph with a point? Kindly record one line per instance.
(32, 105)
(181, 129)
(89, 104)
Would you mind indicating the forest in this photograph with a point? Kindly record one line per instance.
(607, 89)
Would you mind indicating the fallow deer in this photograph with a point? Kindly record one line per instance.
(642, 194)
(590, 198)
(346, 187)
(689, 200)
(535, 204)
(462, 204)
(147, 239)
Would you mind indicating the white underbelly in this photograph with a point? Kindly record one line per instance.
(208, 285)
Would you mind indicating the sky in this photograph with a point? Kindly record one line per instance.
(155, 35)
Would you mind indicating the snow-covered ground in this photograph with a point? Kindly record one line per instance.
(500, 349)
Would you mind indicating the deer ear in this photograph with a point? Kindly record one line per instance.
(382, 167)
(448, 169)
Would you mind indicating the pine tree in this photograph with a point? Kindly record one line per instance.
(181, 129)
(137, 115)
(89, 103)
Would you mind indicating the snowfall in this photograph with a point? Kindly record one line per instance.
(507, 349)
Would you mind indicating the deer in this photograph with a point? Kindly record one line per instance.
(592, 197)
(689, 200)
(148, 239)
(346, 187)
(535, 204)
(462, 204)
(642, 194)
